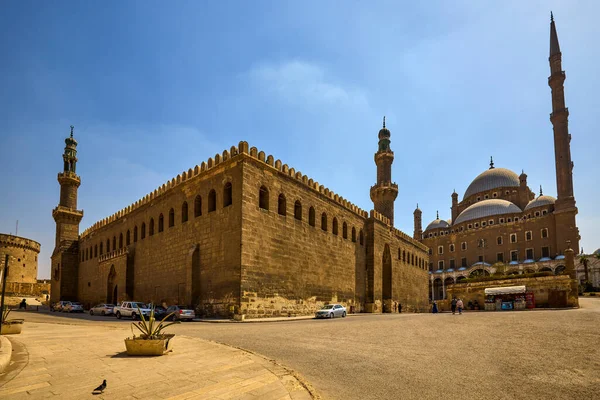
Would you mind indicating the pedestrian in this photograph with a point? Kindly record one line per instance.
(435, 309)
(459, 305)
(23, 304)
(395, 306)
(400, 308)
(453, 305)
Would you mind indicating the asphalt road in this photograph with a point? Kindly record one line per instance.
(550, 354)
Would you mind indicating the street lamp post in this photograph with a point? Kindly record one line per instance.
(4, 277)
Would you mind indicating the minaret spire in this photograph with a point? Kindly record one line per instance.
(491, 162)
(437, 215)
(541, 193)
(554, 46)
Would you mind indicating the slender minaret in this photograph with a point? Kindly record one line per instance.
(65, 261)
(565, 209)
(418, 232)
(454, 205)
(384, 193)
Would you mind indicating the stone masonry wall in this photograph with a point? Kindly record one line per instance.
(23, 258)
(288, 266)
(162, 262)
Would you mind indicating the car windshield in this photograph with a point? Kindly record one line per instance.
(329, 307)
(139, 305)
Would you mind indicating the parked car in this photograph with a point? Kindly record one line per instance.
(102, 309)
(181, 313)
(131, 309)
(331, 311)
(73, 306)
(59, 305)
(160, 312)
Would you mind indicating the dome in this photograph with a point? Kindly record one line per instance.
(597, 251)
(491, 179)
(540, 201)
(487, 208)
(437, 223)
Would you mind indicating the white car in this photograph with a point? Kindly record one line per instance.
(73, 306)
(102, 309)
(331, 311)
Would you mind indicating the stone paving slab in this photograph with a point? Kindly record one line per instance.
(55, 361)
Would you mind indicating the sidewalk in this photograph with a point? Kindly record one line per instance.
(69, 361)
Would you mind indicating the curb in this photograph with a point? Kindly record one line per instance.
(5, 353)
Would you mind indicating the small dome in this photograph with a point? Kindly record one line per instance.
(597, 251)
(487, 208)
(437, 223)
(491, 179)
(540, 201)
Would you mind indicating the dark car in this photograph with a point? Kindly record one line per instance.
(160, 312)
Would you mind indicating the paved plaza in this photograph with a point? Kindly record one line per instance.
(551, 354)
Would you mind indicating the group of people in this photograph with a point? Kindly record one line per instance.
(454, 305)
(397, 307)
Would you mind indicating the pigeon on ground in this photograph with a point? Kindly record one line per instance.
(100, 388)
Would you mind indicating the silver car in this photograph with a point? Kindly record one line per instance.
(331, 311)
(181, 313)
(102, 309)
(73, 306)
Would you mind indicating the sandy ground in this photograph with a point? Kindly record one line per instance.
(549, 354)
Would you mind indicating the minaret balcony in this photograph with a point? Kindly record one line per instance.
(69, 213)
(562, 113)
(69, 178)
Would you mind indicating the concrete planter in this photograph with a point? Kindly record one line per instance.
(12, 327)
(148, 347)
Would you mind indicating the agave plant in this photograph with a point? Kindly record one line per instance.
(5, 313)
(149, 328)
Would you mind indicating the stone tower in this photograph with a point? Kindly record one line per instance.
(454, 205)
(418, 232)
(565, 209)
(65, 259)
(384, 193)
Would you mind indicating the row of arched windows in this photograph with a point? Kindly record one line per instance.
(411, 259)
(96, 250)
(263, 203)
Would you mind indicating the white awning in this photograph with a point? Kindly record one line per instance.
(505, 290)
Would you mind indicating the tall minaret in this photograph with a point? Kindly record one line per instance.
(384, 193)
(565, 209)
(418, 232)
(67, 216)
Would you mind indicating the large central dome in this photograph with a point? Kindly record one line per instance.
(491, 179)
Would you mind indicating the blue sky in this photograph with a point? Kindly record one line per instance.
(156, 88)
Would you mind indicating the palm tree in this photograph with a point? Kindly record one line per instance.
(584, 260)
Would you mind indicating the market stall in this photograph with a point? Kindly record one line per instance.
(508, 298)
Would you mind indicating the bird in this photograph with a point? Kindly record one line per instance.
(100, 389)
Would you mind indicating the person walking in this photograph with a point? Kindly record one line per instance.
(400, 308)
(435, 308)
(453, 305)
(395, 306)
(459, 305)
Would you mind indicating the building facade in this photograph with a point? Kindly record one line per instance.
(23, 258)
(241, 234)
(500, 224)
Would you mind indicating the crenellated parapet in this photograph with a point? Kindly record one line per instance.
(19, 242)
(242, 150)
(410, 240)
(113, 254)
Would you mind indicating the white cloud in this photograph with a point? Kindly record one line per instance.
(304, 83)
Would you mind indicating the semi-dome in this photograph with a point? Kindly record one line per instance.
(487, 208)
(491, 179)
(540, 201)
(437, 223)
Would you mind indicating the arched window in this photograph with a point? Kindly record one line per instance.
(298, 210)
(198, 206)
(311, 216)
(399, 254)
(114, 246)
(95, 250)
(281, 205)
(334, 228)
(212, 201)
(263, 198)
(404, 256)
(143, 230)
(361, 237)
(128, 238)
(135, 234)
(120, 240)
(86, 255)
(412, 259)
(101, 248)
(345, 230)
(354, 234)
(151, 227)
(184, 212)
(161, 223)
(227, 197)
(324, 222)
(171, 218)
(108, 245)
(544, 232)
